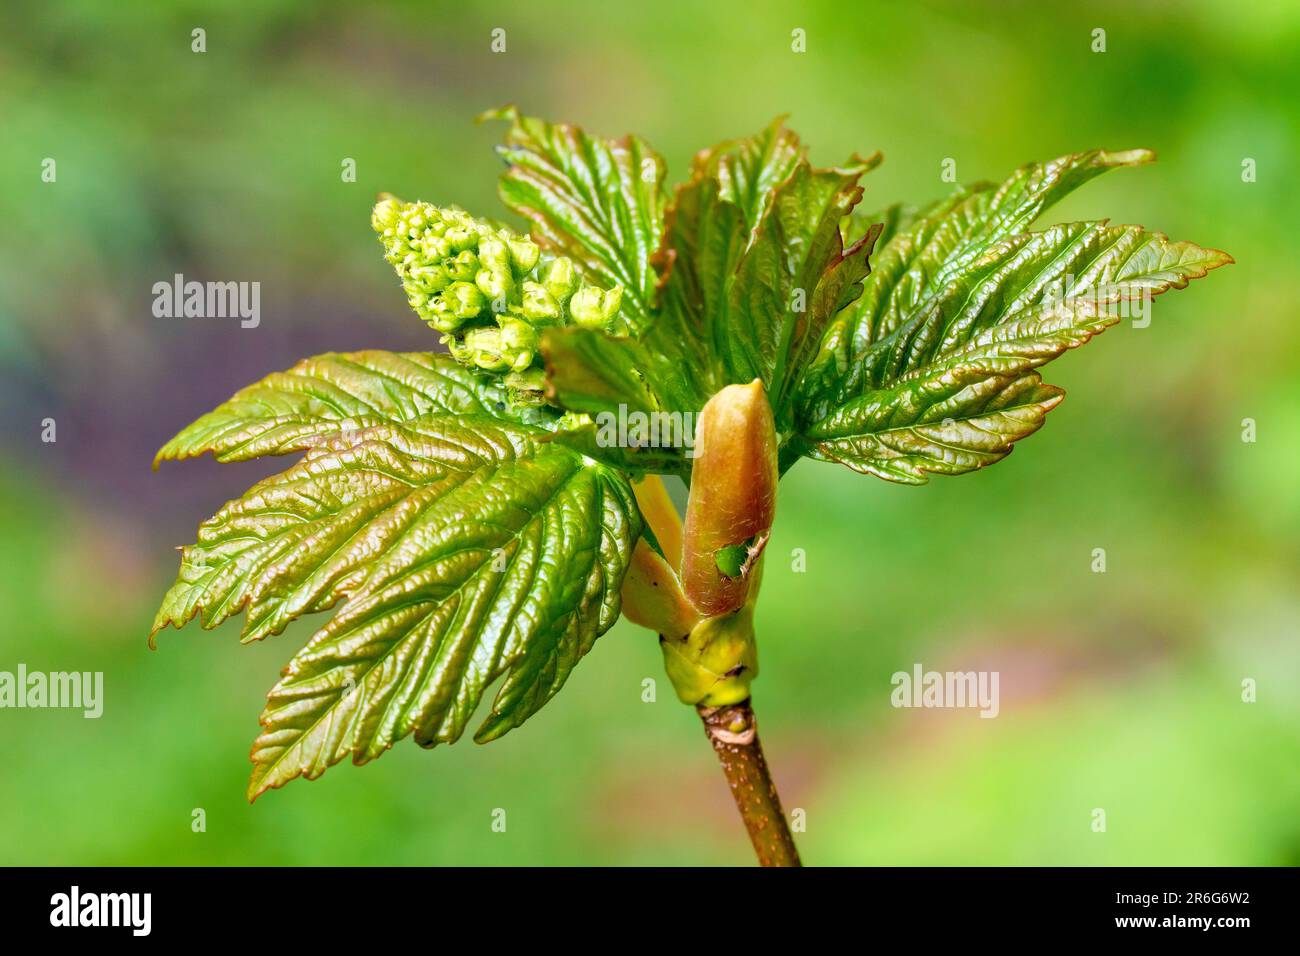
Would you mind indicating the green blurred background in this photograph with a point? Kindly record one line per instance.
(1120, 690)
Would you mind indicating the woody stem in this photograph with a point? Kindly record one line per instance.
(733, 732)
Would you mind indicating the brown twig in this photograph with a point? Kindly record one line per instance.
(733, 733)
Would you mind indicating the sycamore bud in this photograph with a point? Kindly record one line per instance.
(733, 498)
(652, 595)
(710, 660)
(486, 288)
(714, 664)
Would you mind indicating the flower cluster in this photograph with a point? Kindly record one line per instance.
(487, 289)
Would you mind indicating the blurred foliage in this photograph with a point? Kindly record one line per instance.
(1119, 690)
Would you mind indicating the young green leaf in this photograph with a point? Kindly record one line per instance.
(599, 202)
(748, 170)
(591, 372)
(463, 544)
(334, 393)
(823, 275)
(297, 542)
(938, 245)
(929, 371)
(946, 422)
(753, 267)
(513, 569)
(754, 263)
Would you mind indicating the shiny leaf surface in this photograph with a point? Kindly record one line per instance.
(753, 261)
(753, 267)
(458, 547)
(335, 393)
(930, 370)
(597, 201)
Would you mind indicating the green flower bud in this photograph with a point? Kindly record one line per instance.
(464, 266)
(465, 299)
(524, 253)
(459, 302)
(519, 342)
(385, 215)
(561, 281)
(461, 238)
(459, 349)
(540, 307)
(494, 254)
(486, 288)
(484, 346)
(527, 385)
(595, 308)
(495, 286)
(429, 279)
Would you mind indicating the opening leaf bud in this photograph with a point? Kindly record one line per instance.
(733, 498)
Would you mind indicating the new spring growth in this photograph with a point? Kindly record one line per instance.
(652, 595)
(714, 665)
(487, 289)
(733, 498)
(711, 661)
(705, 618)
